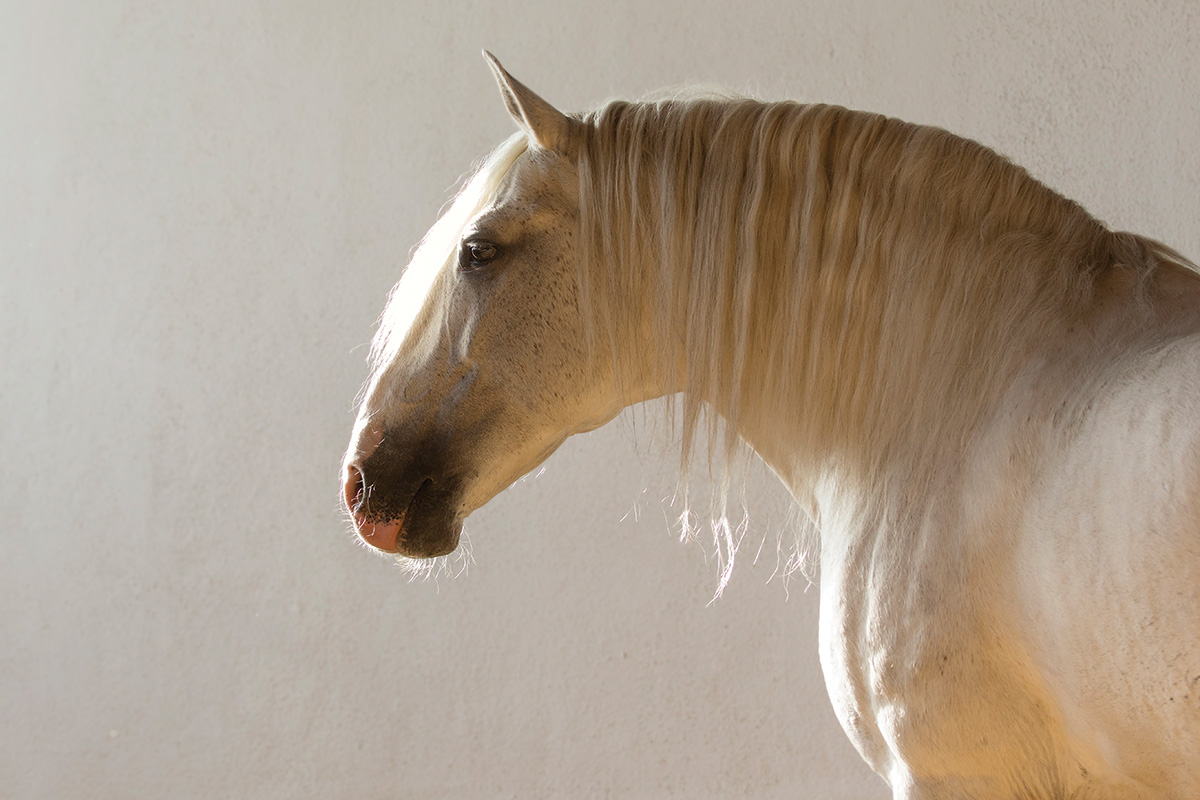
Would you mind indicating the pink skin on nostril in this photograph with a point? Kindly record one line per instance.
(380, 535)
(352, 492)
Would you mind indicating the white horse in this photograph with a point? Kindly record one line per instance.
(988, 403)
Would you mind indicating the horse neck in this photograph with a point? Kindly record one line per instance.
(853, 292)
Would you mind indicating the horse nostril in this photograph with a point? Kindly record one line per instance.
(355, 489)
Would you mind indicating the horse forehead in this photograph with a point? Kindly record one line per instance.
(538, 185)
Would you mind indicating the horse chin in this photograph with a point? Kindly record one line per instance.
(425, 535)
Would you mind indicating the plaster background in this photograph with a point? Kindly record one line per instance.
(202, 207)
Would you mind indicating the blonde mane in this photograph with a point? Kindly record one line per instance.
(819, 257)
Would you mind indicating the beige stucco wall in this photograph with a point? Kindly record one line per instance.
(202, 206)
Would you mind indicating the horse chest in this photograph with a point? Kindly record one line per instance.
(922, 681)
(874, 642)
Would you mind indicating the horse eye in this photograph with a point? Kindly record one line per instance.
(477, 254)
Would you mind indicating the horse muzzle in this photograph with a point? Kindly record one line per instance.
(402, 507)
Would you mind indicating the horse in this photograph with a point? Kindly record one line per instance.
(986, 401)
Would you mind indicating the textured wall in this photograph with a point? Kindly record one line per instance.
(202, 206)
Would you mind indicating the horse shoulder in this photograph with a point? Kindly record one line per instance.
(1039, 627)
(1107, 570)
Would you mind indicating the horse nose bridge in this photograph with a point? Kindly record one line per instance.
(402, 415)
(457, 387)
(367, 435)
(416, 394)
(414, 375)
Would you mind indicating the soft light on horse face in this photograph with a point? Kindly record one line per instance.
(481, 367)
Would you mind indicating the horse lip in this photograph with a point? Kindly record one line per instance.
(400, 534)
(425, 484)
(428, 481)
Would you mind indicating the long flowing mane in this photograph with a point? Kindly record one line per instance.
(823, 257)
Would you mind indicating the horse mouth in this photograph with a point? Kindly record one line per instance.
(425, 526)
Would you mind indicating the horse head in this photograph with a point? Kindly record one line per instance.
(480, 367)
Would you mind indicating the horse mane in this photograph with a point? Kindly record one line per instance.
(822, 259)
(818, 256)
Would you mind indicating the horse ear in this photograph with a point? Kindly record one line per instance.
(547, 127)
